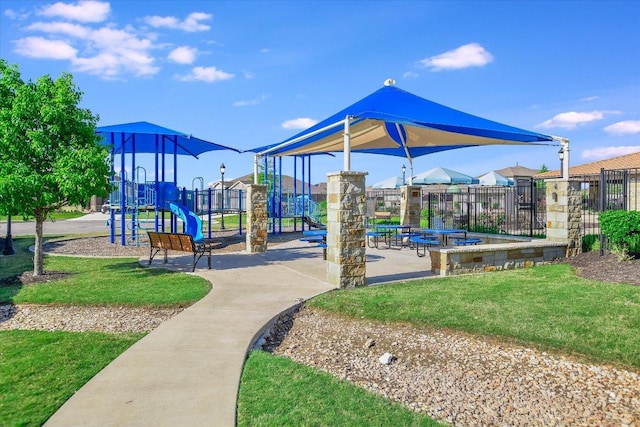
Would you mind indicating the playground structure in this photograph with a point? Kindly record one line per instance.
(286, 203)
(131, 199)
(146, 205)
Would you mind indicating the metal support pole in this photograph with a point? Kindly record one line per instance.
(347, 145)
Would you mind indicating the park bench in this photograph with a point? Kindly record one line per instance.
(179, 242)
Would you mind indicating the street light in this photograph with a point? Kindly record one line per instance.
(561, 157)
(222, 169)
(404, 169)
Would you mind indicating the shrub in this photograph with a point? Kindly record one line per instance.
(622, 229)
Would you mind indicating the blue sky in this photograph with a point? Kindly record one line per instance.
(247, 73)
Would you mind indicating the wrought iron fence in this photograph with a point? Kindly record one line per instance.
(516, 210)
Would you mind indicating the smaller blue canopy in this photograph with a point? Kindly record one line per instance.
(145, 137)
(443, 176)
(494, 178)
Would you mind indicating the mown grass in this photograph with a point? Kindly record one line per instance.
(276, 391)
(97, 281)
(54, 216)
(547, 306)
(39, 371)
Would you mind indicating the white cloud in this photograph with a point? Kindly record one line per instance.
(627, 127)
(572, 119)
(38, 47)
(248, 75)
(300, 123)
(590, 98)
(468, 55)
(12, 14)
(190, 24)
(83, 11)
(608, 152)
(205, 74)
(410, 75)
(250, 102)
(265, 50)
(74, 30)
(183, 55)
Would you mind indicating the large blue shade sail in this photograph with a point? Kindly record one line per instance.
(394, 122)
(145, 137)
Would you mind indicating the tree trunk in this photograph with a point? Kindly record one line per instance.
(38, 268)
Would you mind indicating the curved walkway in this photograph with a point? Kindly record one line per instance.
(187, 371)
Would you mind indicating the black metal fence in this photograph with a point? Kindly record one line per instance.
(516, 210)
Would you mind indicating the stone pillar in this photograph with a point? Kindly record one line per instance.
(410, 205)
(564, 208)
(257, 218)
(346, 211)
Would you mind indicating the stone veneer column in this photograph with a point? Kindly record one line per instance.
(346, 210)
(257, 218)
(410, 205)
(564, 208)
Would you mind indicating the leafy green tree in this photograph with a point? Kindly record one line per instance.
(50, 155)
(543, 169)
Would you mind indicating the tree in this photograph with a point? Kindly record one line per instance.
(50, 154)
(543, 169)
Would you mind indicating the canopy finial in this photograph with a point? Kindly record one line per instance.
(389, 82)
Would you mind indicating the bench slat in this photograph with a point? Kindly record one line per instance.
(179, 242)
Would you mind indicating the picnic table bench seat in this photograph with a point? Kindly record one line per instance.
(466, 242)
(160, 241)
(424, 242)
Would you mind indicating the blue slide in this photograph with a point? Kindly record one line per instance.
(192, 221)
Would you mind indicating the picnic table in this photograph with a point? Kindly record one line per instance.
(316, 236)
(446, 233)
(395, 233)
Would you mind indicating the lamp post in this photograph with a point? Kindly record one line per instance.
(222, 169)
(561, 157)
(404, 169)
(8, 241)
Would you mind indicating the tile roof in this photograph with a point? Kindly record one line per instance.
(516, 170)
(629, 161)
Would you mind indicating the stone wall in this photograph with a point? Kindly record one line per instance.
(257, 218)
(564, 210)
(448, 261)
(346, 216)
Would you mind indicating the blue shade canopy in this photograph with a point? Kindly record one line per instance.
(393, 182)
(145, 137)
(394, 122)
(443, 176)
(494, 178)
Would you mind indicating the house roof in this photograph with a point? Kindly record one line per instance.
(628, 161)
(287, 183)
(517, 170)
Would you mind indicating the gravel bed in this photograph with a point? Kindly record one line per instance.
(83, 319)
(458, 379)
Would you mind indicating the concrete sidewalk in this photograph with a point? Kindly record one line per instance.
(187, 371)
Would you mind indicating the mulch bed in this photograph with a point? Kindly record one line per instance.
(606, 268)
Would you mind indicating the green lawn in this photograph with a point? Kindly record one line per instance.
(54, 216)
(39, 371)
(276, 391)
(548, 306)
